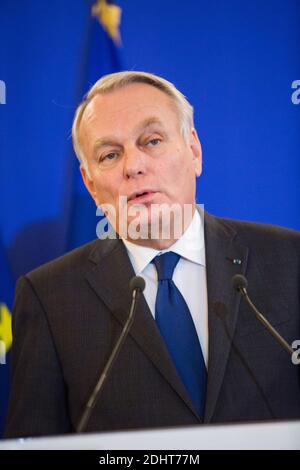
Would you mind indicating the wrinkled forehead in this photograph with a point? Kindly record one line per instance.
(129, 103)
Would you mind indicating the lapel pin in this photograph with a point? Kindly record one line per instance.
(234, 260)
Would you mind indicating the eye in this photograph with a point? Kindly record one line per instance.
(154, 142)
(109, 157)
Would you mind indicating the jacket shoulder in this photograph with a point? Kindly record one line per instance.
(74, 262)
(266, 236)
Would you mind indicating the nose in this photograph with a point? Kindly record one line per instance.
(134, 162)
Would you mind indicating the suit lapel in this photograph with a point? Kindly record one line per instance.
(224, 258)
(110, 280)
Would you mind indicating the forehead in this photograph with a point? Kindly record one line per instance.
(126, 107)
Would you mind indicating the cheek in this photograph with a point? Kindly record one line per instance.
(182, 168)
(103, 191)
(175, 164)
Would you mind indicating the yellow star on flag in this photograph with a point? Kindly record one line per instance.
(5, 326)
(109, 17)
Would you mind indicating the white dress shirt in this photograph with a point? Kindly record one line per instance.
(189, 274)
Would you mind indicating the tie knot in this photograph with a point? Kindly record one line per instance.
(165, 265)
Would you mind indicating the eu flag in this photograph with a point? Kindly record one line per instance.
(6, 299)
(65, 47)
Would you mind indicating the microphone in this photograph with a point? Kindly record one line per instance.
(137, 285)
(240, 284)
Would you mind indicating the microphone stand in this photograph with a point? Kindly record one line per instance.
(137, 285)
(240, 284)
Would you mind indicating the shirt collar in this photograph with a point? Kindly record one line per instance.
(189, 246)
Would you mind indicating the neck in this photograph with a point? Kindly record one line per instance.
(162, 242)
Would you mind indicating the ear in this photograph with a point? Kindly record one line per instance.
(89, 184)
(196, 148)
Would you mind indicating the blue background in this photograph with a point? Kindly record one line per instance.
(235, 60)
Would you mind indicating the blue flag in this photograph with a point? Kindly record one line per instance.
(6, 299)
(49, 212)
(102, 57)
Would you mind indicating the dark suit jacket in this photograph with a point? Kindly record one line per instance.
(68, 315)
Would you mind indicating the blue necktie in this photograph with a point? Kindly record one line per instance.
(176, 325)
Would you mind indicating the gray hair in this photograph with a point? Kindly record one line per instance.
(119, 80)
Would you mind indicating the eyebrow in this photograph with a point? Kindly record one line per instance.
(149, 122)
(111, 141)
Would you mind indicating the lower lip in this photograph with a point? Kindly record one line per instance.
(144, 199)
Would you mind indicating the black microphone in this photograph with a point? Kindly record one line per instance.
(137, 285)
(240, 283)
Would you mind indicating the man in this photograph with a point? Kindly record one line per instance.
(195, 352)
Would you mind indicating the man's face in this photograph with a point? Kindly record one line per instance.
(134, 147)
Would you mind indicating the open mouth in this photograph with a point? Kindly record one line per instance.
(141, 197)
